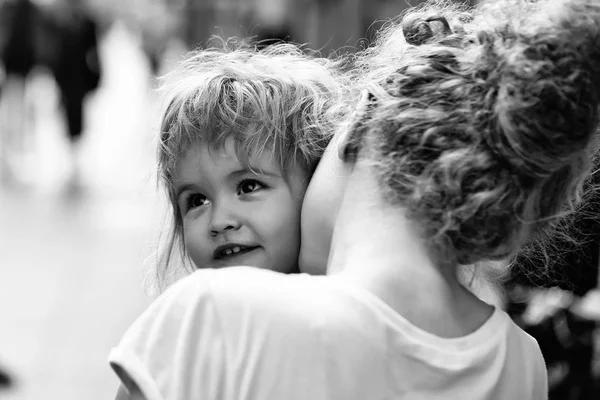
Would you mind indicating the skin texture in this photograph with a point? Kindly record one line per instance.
(222, 203)
(371, 244)
(320, 209)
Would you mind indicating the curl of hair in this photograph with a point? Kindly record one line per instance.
(484, 118)
(278, 99)
(563, 253)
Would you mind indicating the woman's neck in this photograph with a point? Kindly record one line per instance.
(375, 247)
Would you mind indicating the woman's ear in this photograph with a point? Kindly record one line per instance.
(351, 138)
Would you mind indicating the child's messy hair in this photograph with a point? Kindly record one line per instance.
(277, 99)
(482, 120)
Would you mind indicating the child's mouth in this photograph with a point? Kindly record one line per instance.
(232, 250)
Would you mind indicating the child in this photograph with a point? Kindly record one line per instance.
(459, 153)
(240, 138)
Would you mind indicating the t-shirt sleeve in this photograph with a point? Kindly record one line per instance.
(540, 385)
(175, 349)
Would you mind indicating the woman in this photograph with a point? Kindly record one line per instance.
(445, 163)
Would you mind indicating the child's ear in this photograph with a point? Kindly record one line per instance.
(350, 140)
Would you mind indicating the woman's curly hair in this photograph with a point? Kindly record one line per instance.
(481, 121)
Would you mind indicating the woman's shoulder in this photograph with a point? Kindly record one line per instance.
(209, 304)
(251, 284)
(247, 290)
(299, 303)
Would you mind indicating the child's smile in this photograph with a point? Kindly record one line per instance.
(234, 215)
(237, 254)
(231, 250)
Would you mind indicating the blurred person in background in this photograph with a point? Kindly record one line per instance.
(76, 68)
(5, 380)
(18, 58)
(271, 18)
(62, 37)
(156, 26)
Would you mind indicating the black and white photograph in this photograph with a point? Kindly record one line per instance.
(300, 199)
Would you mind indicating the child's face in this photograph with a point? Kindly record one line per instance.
(233, 217)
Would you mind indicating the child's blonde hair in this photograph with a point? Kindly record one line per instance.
(277, 99)
(482, 121)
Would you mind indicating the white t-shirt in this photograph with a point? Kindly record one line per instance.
(245, 333)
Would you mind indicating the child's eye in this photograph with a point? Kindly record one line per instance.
(249, 186)
(196, 200)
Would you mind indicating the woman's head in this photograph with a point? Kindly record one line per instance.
(275, 105)
(479, 123)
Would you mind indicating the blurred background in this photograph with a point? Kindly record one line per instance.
(80, 213)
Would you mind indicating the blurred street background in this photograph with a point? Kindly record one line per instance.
(80, 213)
(72, 253)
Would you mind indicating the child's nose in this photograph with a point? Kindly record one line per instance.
(223, 220)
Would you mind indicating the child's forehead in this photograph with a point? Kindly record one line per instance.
(234, 154)
(252, 148)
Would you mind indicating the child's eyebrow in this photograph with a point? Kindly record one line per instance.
(254, 171)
